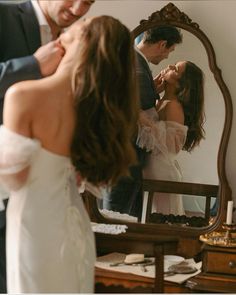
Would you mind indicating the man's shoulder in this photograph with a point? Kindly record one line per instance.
(11, 15)
(140, 58)
(141, 63)
(7, 8)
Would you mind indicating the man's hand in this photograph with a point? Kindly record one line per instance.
(159, 83)
(49, 57)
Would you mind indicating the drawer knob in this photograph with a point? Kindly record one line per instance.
(232, 264)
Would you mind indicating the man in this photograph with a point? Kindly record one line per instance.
(24, 27)
(156, 45)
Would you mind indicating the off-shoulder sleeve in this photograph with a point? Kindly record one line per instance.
(167, 137)
(16, 151)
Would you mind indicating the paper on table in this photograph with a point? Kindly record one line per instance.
(105, 261)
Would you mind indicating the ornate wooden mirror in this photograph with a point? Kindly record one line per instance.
(218, 107)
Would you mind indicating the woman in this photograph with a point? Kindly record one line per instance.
(85, 115)
(175, 125)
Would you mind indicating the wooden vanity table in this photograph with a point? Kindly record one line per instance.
(133, 243)
(107, 281)
(113, 282)
(218, 271)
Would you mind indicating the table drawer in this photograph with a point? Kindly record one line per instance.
(218, 262)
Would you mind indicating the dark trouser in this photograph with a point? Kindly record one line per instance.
(127, 196)
(3, 287)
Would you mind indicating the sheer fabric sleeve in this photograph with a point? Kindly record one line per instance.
(16, 153)
(166, 137)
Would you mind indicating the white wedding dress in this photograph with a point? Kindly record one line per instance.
(164, 139)
(50, 244)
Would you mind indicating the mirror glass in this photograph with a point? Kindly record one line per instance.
(206, 163)
(200, 166)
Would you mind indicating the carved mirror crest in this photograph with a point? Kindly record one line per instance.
(218, 108)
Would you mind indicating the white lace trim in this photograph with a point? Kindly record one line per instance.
(72, 243)
(113, 229)
(78, 238)
(117, 215)
(16, 151)
(164, 137)
(146, 140)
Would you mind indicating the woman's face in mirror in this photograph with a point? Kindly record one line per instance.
(173, 73)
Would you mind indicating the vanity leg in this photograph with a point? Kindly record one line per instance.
(159, 268)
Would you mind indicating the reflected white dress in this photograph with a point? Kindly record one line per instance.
(50, 244)
(164, 139)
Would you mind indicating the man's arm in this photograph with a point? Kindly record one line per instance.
(16, 70)
(42, 63)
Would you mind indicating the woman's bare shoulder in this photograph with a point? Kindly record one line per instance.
(21, 102)
(22, 90)
(174, 112)
(25, 95)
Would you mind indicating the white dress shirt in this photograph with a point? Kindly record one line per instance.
(45, 31)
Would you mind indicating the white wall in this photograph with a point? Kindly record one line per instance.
(217, 20)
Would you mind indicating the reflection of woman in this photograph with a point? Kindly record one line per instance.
(85, 113)
(175, 126)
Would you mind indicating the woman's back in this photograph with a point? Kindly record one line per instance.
(44, 111)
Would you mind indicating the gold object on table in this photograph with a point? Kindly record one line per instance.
(226, 238)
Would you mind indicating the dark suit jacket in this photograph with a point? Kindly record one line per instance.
(19, 39)
(147, 89)
(148, 94)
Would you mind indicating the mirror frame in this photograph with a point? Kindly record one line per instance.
(171, 15)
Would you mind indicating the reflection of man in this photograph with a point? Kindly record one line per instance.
(24, 27)
(156, 44)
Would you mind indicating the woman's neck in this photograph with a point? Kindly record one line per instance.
(170, 92)
(69, 61)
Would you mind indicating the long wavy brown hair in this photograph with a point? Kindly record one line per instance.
(191, 96)
(106, 102)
